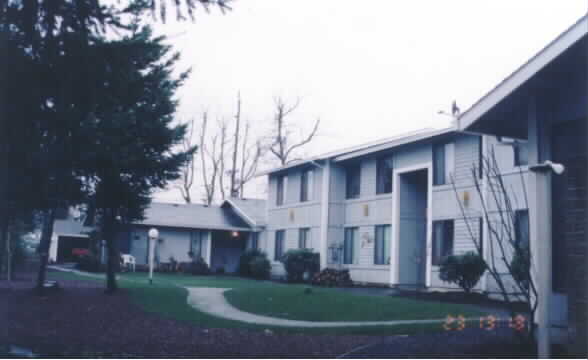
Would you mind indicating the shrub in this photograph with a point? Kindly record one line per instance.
(89, 262)
(198, 267)
(300, 264)
(520, 265)
(464, 270)
(260, 267)
(332, 277)
(244, 268)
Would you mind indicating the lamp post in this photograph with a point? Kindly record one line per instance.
(153, 236)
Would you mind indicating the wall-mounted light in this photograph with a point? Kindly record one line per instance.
(292, 215)
(235, 234)
(466, 198)
(366, 210)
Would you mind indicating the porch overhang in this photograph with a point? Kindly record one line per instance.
(498, 112)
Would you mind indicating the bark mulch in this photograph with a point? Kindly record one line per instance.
(81, 321)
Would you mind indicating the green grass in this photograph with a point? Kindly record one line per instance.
(167, 297)
(291, 302)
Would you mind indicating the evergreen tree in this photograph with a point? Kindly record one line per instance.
(129, 138)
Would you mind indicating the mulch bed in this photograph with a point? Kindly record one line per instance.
(81, 321)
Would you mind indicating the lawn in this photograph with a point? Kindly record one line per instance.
(167, 296)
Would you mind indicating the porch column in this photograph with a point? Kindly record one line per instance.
(325, 195)
(208, 247)
(539, 195)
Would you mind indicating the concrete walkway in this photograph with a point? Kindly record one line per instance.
(213, 302)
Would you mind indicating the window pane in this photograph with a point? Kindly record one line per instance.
(442, 240)
(448, 238)
(521, 154)
(280, 191)
(196, 243)
(303, 238)
(384, 175)
(438, 164)
(382, 245)
(353, 181)
(349, 246)
(522, 227)
(304, 186)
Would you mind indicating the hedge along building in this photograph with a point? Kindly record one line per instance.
(388, 210)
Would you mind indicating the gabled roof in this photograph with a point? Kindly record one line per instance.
(251, 210)
(70, 227)
(362, 149)
(193, 216)
(524, 73)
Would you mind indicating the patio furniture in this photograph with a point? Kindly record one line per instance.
(129, 261)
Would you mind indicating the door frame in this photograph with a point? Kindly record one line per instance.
(394, 255)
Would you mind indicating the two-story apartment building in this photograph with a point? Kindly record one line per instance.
(389, 211)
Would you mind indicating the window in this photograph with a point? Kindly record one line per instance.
(521, 155)
(382, 245)
(279, 246)
(254, 240)
(352, 181)
(439, 164)
(304, 238)
(282, 182)
(306, 185)
(384, 175)
(443, 162)
(522, 228)
(196, 240)
(442, 240)
(350, 246)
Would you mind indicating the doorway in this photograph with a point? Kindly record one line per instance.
(412, 223)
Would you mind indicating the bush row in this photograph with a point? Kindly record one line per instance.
(255, 264)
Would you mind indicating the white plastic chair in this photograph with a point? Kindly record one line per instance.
(129, 260)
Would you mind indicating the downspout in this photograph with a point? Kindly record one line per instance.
(325, 196)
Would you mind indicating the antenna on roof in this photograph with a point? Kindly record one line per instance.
(455, 113)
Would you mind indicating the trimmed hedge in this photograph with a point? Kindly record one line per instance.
(464, 270)
(89, 263)
(332, 277)
(254, 263)
(300, 264)
(260, 267)
(197, 267)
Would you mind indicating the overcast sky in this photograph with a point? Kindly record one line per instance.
(368, 69)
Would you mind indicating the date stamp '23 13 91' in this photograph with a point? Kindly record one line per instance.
(489, 323)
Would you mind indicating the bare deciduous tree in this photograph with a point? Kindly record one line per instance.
(186, 179)
(509, 260)
(244, 155)
(283, 142)
(210, 157)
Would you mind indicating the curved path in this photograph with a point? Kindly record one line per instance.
(213, 302)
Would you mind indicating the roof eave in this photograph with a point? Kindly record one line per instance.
(241, 213)
(525, 72)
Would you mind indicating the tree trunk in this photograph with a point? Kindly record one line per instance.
(113, 256)
(48, 219)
